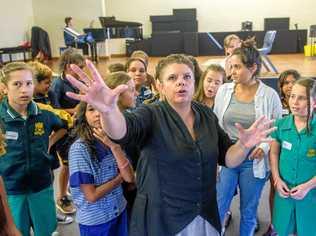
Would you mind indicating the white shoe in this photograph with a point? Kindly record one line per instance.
(64, 219)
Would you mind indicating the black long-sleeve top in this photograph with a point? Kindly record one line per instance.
(176, 175)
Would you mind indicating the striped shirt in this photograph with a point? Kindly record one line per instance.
(144, 94)
(86, 170)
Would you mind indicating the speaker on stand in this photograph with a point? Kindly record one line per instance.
(298, 39)
(246, 26)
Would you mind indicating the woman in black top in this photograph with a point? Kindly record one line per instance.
(181, 144)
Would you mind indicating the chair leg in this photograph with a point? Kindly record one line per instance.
(271, 64)
(267, 63)
(92, 51)
(95, 52)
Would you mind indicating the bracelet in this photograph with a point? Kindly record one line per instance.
(124, 165)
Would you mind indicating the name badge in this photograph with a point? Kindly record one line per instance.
(11, 135)
(147, 93)
(285, 112)
(287, 145)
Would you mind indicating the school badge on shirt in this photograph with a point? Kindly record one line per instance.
(2, 150)
(39, 128)
(311, 153)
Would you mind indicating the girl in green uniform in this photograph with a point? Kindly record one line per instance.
(25, 165)
(293, 164)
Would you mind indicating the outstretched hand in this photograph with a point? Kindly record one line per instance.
(93, 90)
(256, 133)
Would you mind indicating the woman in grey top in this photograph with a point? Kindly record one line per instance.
(243, 101)
(181, 144)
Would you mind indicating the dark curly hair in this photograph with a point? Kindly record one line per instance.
(282, 80)
(249, 55)
(83, 130)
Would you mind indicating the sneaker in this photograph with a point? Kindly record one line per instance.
(64, 219)
(257, 228)
(227, 218)
(270, 232)
(65, 205)
(55, 233)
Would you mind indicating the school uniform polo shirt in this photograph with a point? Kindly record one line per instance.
(297, 165)
(96, 168)
(297, 162)
(59, 87)
(144, 94)
(26, 165)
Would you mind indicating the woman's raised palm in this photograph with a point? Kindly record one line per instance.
(93, 90)
(256, 133)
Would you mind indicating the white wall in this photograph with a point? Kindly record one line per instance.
(16, 18)
(217, 15)
(50, 15)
